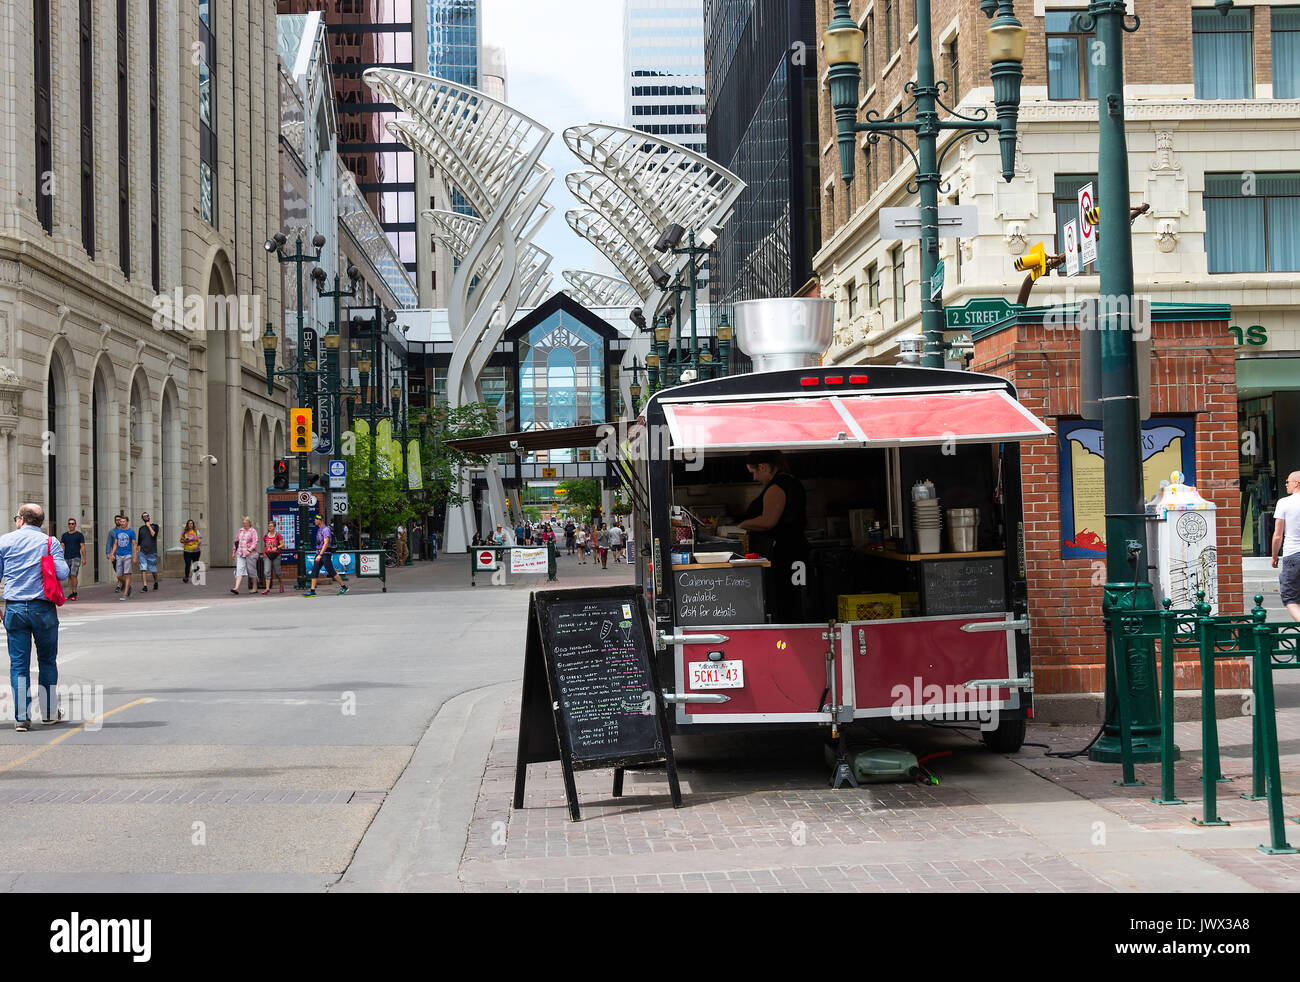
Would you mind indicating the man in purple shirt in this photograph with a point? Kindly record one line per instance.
(28, 615)
(324, 564)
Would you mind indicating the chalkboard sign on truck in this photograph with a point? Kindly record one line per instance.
(590, 696)
(729, 595)
(963, 586)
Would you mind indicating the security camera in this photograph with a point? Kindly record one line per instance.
(209, 458)
(514, 445)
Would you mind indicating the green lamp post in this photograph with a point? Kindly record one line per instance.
(1006, 47)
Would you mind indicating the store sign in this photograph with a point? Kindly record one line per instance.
(977, 313)
(1255, 336)
(526, 561)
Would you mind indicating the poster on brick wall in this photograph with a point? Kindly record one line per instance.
(1168, 444)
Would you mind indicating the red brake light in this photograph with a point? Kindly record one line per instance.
(857, 380)
(834, 379)
(808, 383)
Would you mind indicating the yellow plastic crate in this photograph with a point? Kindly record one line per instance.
(870, 607)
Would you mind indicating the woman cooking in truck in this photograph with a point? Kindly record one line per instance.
(776, 520)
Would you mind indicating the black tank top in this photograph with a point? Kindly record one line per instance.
(788, 533)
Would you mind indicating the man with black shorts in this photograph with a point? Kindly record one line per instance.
(324, 564)
(1286, 544)
(74, 554)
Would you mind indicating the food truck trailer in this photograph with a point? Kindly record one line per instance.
(900, 620)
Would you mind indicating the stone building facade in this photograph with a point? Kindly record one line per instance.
(138, 181)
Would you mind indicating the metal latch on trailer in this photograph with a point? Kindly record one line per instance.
(1024, 682)
(679, 697)
(1020, 625)
(667, 640)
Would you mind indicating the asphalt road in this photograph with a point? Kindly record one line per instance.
(247, 743)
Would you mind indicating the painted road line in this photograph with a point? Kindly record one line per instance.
(70, 733)
(126, 614)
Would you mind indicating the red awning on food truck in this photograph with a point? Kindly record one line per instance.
(940, 417)
(885, 420)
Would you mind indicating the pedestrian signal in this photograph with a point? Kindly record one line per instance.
(1033, 262)
(1093, 216)
(282, 475)
(300, 431)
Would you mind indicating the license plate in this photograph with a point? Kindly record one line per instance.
(716, 674)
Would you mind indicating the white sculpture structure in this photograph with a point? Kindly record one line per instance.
(599, 290)
(492, 155)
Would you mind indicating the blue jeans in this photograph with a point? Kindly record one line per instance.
(25, 620)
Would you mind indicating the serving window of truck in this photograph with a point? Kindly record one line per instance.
(904, 593)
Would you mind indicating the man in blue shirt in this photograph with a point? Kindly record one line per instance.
(120, 549)
(324, 563)
(28, 615)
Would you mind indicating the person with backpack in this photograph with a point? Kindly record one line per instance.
(30, 616)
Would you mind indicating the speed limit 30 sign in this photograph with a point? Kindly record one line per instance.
(339, 503)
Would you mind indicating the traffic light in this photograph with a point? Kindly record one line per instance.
(1033, 262)
(300, 431)
(282, 475)
(1093, 216)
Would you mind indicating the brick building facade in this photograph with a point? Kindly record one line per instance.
(1192, 375)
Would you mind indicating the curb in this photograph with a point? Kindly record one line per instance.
(418, 837)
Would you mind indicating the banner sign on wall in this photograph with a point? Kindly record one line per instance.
(1168, 444)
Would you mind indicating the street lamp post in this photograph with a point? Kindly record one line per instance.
(1128, 586)
(275, 246)
(1006, 46)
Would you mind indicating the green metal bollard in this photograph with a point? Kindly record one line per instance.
(1168, 620)
(1209, 723)
(1264, 706)
(1257, 790)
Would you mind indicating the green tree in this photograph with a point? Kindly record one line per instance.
(377, 501)
(442, 465)
(532, 513)
(583, 497)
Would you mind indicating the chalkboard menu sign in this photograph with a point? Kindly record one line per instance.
(963, 586)
(733, 595)
(590, 695)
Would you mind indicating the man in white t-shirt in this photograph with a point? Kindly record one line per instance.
(1286, 543)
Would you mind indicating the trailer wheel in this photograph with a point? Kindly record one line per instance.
(1007, 738)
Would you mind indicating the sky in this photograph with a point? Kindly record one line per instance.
(564, 61)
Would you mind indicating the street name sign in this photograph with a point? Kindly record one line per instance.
(1087, 233)
(955, 222)
(977, 313)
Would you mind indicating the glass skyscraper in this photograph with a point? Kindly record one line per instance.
(455, 41)
(663, 59)
(761, 68)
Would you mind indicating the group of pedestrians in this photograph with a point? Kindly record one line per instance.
(600, 541)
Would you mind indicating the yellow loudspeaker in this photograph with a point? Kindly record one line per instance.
(1034, 261)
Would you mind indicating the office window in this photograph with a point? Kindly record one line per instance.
(123, 147)
(853, 300)
(41, 87)
(873, 287)
(868, 52)
(207, 116)
(86, 69)
(1221, 62)
(1252, 229)
(892, 33)
(1286, 52)
(1069, 68)
(900, 281)
(953, 72)
(1065, 202)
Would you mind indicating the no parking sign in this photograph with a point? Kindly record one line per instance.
(1087, 231)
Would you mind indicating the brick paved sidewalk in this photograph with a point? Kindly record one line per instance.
(758, 816)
